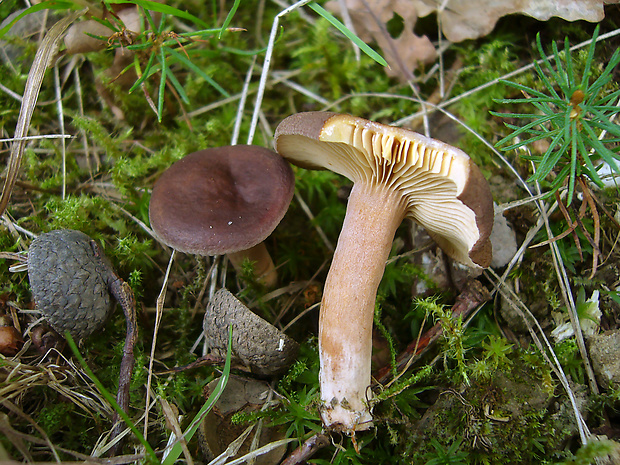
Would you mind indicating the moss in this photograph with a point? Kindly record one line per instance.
(66, 424)
(508, 418)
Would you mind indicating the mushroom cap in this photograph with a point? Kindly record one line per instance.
(443, 189)
(221, 200)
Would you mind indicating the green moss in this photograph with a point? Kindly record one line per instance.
(66, 423)
(504, 419)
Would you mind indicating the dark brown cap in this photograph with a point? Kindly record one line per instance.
(221, 200)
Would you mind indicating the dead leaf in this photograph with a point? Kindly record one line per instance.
(470, 19)
(219, 431)
(404, 53)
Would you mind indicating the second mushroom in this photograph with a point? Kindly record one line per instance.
(224, 200)
(396, 174)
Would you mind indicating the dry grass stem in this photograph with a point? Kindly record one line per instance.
(158, 316)
(44, 56)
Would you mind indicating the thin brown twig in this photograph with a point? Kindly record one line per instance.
(587, 194)
(124, 295)
(310, 447)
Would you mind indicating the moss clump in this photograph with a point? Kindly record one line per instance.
(510, 418)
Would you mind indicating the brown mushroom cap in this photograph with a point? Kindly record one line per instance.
(221, 200)
(443, 189)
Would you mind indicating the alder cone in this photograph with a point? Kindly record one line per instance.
(69, 282)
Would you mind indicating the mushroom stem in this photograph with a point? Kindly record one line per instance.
(374, 212)
(264, 268)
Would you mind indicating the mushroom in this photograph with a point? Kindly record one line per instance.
(396, 174)
(224, 200)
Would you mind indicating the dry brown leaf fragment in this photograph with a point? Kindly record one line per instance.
(369, 17)
(470, 19)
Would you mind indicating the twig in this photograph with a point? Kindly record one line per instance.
(304, 206)
(42, 59)
(160, 309)
(348, 22)
(310, 447)
(266, 64)
(48, 136)
(565, 287)
(472, 296)
(124, 295)
(241, 105)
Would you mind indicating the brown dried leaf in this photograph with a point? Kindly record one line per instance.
(469, 19)
(403, 53)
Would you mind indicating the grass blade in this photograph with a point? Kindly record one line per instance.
(187, 62)
(142, 75)
(588, 65)
(110, 398)
(42, 60)
(601, 150)
(46, 5)
(364, 47)
(178, 87)
(229, 18)
(162, 84)
(176, 450)
(522, 88)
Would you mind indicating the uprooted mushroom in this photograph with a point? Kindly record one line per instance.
(396, 174)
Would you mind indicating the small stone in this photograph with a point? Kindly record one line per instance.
(503, 239)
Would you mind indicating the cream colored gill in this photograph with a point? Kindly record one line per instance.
(428, 177)
(340, 158)
(394, 153)
(452, 226)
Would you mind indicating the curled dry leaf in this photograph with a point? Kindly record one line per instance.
(467, 19)
(219, 433)
(404, 53)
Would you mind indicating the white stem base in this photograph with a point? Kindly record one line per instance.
(347, 309)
